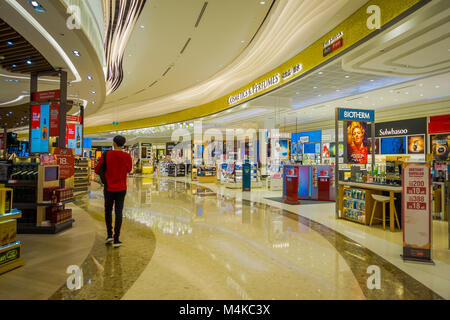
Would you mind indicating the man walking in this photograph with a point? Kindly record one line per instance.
(118, 165)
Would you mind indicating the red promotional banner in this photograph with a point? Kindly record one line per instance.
(36, 117)
(54, 119)
(70, 132)
(72, 118)
(48, 159)
(46, 95)
(416, 211)
(66, 162)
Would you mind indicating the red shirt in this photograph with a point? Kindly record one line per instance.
(118, 165)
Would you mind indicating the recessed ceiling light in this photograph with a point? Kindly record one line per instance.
(29, 62)
(421, 94)
(371, 80)
(37, 6)
(391, 91)
(314, 87)
(319, 95)
(242, 41)
(76, 53)
(9, 43)
(347, 77)
(297, 93)
(14, 66)
(93, 102)
(337, 90)
(93, 92)
(142, 27)
(437, 87)
(320, 72)
(89, 77)
(406, 92)
(263, 2)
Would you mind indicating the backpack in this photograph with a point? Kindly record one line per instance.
(102, 170)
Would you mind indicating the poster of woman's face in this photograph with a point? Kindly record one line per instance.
(356, 142)
(284, 151)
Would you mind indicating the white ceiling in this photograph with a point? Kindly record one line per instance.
(215, 55)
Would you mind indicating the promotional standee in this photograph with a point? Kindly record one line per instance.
(246, 176)
(416, 212)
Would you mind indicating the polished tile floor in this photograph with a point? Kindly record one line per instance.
(183, 240)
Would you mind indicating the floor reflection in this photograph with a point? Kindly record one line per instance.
(211, 246)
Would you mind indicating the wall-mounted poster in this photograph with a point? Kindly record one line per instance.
(284, 149)
(326, 150)
(333, 149)
(394, 145)
(416, 144)
(356, 142)
(441, 147)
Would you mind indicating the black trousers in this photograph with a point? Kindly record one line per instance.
(117, 200)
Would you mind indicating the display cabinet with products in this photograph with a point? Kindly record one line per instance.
(37, 187)
(10, 248)
(357, 205)
(82, 175)
(176, 170)
(206, 174)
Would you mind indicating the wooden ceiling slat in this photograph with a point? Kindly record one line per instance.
(20, 51)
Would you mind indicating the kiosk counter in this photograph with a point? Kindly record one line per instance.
(315, 182)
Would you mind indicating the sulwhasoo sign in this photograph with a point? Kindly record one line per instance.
(392, 132)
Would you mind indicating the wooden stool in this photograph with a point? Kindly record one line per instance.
(383, 200)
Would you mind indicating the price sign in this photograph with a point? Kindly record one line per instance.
(66, 162)
(416, 211)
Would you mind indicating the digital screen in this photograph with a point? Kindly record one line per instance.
(395, 145)
(51, 173)
(310, 148)
(39, 128)
(304, 181)
(356, 142)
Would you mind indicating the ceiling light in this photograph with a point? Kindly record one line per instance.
(297, 93)
(338, 90)
(37, 6)
(93, 92)
(437, 87)
(9, 43)
(372, 80)
(263, 2)
(89, 78)
(242, 41)
(142, 27)
(420, 84)
(421, 94)
(76, 53)
(347, 77)
(14, 66)
(93, 102)
(29, 62)
(314, 87)
(320, 72)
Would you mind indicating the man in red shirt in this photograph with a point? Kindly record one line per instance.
(118, 165)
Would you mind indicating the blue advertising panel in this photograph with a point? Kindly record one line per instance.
(40, 128)
(78, 137)
(87, 143)
(357, 115)
(395, 145)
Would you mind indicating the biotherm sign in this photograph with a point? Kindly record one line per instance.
(40, 122)
(357, 115)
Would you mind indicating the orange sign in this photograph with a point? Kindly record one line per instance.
(66, 162)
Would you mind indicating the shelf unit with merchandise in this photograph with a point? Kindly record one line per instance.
(357, 204)
(82, 175)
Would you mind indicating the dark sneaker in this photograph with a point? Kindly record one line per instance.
(117, 244)
(109, 240)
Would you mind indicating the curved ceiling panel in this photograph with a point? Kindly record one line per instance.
(290, 27)
(421, 49)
